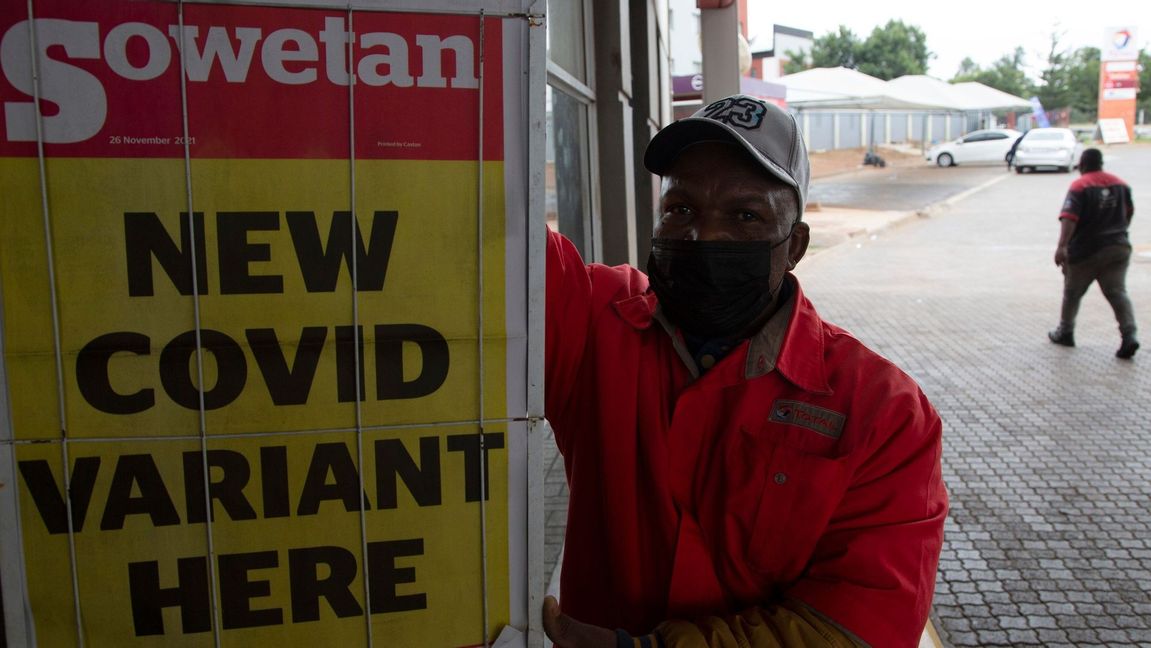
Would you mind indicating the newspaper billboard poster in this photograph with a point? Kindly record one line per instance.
(264, 324)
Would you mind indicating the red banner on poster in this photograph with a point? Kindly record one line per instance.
(111, 87)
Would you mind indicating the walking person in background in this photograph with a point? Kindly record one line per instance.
(1011, 152)
(1094, 246)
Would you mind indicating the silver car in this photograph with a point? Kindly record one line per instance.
(1047, 147)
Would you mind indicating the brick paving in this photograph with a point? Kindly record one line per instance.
(1047, 450)
(555, 503)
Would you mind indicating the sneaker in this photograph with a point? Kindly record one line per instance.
(1063, 338)
(1127, 349)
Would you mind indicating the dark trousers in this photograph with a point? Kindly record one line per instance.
(1108, 266)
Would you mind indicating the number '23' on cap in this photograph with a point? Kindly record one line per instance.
(765, 130)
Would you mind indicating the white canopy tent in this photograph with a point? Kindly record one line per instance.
(936, 91)
(969, 95)
(988, 98)
(843, 88)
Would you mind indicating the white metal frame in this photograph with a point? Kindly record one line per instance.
(525, 535)
(537, 241)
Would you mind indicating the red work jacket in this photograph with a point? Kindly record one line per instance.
(812, 472)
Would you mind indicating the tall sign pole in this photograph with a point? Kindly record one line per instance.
(719, 26)
(1118, 79)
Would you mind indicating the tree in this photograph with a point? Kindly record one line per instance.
(1071, 79)
(1005, 74)
(796, 62)
(1144, 97)
(1054, 92)
(890, 51)
(1081, 75)
(894, 50)
(967, 68)
(836, 49)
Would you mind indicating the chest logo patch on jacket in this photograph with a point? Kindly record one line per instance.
(824, 421)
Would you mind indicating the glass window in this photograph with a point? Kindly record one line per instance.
(565, 35)
(1046, 137)
(996, 136)
(566, 181)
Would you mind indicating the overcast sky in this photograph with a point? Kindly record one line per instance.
(981, 29)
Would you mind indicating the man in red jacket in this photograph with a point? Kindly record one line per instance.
(1094, 247)
(742, 473)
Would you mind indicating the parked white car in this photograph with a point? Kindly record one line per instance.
(981, 146)
(1051, 147)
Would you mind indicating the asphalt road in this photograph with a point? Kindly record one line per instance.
(1047, 450)
(901, 188)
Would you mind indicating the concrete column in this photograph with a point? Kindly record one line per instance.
(651, 100)
(615, 123)
(719, 30)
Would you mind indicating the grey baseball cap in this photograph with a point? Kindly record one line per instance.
(768, 132)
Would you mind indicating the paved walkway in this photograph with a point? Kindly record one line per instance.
(1047, 450)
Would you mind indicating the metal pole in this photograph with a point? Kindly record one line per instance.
(719, 31)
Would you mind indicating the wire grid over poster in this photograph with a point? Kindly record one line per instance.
(271, 322)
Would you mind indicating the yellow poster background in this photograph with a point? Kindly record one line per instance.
(431, 281)
(447, 570)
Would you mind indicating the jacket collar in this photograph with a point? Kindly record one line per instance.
(790, 342)
(801, 356)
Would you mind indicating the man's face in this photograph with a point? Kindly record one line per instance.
(715, 191)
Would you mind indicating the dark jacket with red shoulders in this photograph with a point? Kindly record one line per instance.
(1100, 205)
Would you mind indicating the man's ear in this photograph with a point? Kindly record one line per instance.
(797, 245)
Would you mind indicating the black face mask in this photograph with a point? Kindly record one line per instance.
(712, 289)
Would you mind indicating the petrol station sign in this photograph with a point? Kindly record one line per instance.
(1119, 77)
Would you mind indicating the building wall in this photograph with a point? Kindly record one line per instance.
(899, 131)
(825, 130)
(768, 64)
(785, 43)
(683, 37)
(850, 130)
(609, 92)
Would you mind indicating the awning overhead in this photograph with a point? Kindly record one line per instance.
(846, 89)
(933, 90)
(989, 98)
(849, 89)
